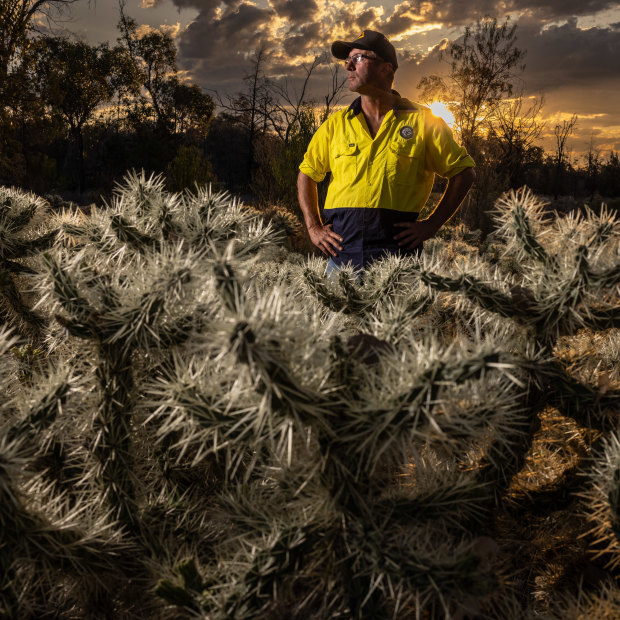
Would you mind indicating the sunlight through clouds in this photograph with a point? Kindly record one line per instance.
(170, 29)
(415, 30)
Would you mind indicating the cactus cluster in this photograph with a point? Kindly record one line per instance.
(25, 231)
(205, 425)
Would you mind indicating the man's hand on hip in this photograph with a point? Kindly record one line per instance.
(325, 239)
(414, 233)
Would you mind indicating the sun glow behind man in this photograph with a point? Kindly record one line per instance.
(440, 109)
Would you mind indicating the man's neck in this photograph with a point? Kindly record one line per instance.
(375, 105)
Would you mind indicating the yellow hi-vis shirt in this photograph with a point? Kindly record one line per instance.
(377, 182)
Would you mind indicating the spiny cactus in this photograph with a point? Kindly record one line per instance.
(357, 430)
(24, 233)
(49, 531)
(257, 440)
(602, 501)
(568, 285)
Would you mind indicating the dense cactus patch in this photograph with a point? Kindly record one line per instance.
(203, 424)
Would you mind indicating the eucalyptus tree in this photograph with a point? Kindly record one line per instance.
(485, 64)
(153, 54)
(16, 22)
(172, 115)
(17, 102)
(74, 79)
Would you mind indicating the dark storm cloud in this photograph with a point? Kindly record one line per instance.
(201, 5)
(297, 11)
(297, 45)
(367, 18)
(451, 12)
(459, 13)
(401, 20)
(556, 56)
(354, 21)
(216, 47)
(241, 29)
(568, 55)
(560, 9)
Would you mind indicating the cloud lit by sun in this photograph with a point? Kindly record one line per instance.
(440, 109)
(415, 29)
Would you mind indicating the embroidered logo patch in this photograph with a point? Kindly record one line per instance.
(406, 132)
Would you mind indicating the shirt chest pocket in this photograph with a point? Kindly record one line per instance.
(344, 162)
(404, 160)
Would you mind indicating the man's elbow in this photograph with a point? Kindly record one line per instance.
(302, 179)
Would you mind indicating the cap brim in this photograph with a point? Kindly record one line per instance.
(341, 49)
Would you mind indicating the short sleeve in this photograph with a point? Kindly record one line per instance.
(316, 160)
(444, 156)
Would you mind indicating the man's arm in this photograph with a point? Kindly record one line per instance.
(415, 233)
(322, 236)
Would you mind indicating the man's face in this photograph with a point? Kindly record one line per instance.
(365, 75)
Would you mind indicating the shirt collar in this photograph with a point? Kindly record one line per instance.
(356, 106)
(400, 104)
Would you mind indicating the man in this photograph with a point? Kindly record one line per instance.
(383, 153)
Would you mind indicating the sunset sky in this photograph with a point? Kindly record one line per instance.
(573, 46)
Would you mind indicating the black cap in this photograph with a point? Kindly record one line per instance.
(368, 40)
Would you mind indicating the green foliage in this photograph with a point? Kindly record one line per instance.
(176, 107)
(74, 79)
(189, 167)
(75, 116)
(240, 436)
(285, 166)
(192, 110)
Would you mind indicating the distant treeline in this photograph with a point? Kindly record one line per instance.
(75, 117)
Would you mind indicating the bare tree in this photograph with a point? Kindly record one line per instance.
(251, 107)
(513, 128)
(277, 105)
(288, 101)
(562, 132)
(258, 100)
(335, 92)
(291, 102)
